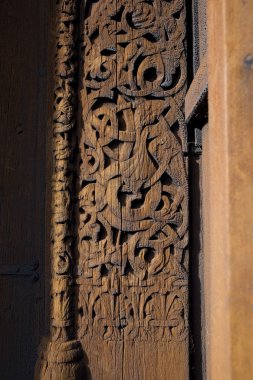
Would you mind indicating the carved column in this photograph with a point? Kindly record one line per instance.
(61, 355)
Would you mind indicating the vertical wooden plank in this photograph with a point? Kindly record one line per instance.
(230, 137)
(196, 272)
(25, 33)
(199, 31)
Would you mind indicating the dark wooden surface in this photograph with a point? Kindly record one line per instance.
(199, 29)
(26, 31)
(196, 114)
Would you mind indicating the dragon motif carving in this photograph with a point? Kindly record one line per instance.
(133, 201)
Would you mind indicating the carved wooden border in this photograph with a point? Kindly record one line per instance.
(61, 356)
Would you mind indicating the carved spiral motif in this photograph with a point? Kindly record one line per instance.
(134, 199)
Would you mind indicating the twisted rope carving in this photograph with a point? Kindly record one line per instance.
(60, 358)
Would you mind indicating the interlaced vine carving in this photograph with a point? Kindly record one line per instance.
(133, 202)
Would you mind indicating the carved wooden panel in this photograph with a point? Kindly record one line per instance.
(120, 287)
(133, 199)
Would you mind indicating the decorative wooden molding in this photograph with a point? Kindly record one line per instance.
(61, 355)
(133, 201)
(133, 230)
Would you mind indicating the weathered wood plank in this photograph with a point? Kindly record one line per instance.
(25, 28)
(197, 93)
(230, 137)
(199, 30)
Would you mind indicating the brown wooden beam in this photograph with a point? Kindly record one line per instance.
(197, 93)
(230, 135)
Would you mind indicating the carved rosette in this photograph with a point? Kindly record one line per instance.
(133, 229)
(61, 355)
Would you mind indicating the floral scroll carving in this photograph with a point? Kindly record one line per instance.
(131, 271)
(133, 201)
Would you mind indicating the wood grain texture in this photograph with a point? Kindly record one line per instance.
(197, 91)
(230, 138)
(133, 199)
(25, 47)
(199, 31)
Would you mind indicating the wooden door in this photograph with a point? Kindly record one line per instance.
(25, 30)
